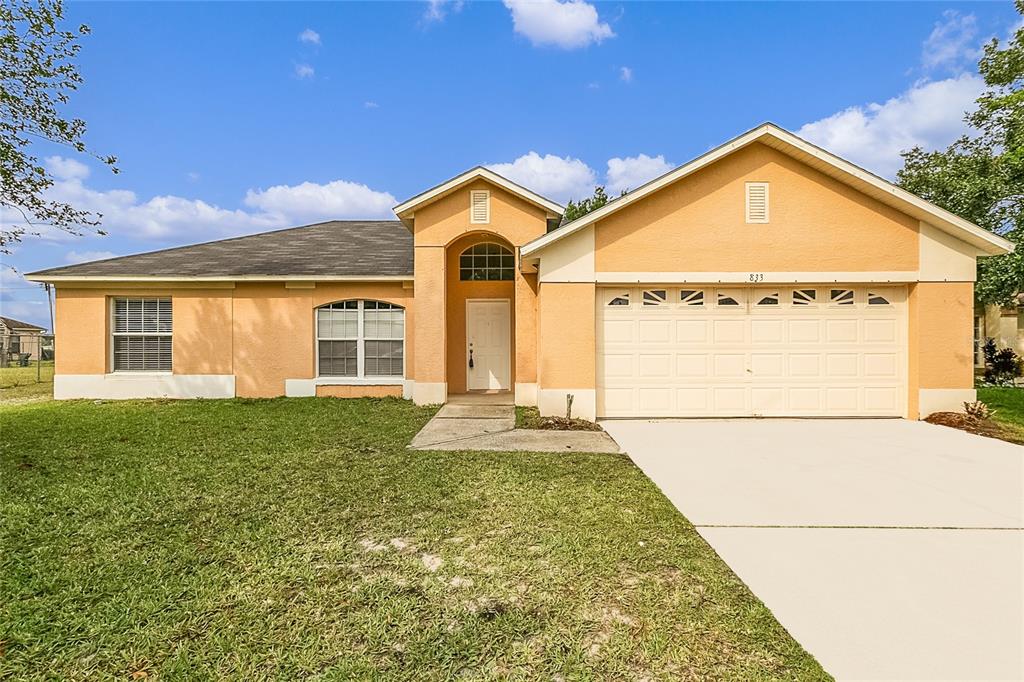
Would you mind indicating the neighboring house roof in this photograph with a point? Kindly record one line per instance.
(407, 209)
(11, 323)
(819, 159)
(338, 249)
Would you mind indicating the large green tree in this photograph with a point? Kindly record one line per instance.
(37, 76)
(980, 177)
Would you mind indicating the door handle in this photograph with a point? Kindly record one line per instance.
(471, 358)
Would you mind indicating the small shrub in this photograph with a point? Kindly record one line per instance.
(977, 410)
(1002, 365)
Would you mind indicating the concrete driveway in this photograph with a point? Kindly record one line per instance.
(890, 549)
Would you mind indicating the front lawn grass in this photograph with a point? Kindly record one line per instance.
(1008, 404)
(289, 538)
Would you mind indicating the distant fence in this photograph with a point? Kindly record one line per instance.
(26, 359)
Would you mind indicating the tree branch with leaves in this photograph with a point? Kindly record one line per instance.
(37, 76)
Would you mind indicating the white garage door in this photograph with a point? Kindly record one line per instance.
(692, 351)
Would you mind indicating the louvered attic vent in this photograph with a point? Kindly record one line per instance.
(479, 206)
(757, 202)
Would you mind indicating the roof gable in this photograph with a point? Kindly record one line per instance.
(407, 209)
(829, 164)
(12, 324)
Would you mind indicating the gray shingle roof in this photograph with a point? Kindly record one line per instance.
(338, 248)
(12, 323)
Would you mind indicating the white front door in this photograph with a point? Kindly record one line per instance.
(488, 340)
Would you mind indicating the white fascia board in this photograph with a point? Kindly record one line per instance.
(990, 243)
(406, 208)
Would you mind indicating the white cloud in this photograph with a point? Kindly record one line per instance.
(633, 171)
(437, 10)
(192, 176)
(309, 36)
(309, 201)
(625, 74)
(65, 169)
(181, 219)
(370, 105)
(551, 176)
(33, 312)
(929, 114)
(952, 42)
(569, 25)
(85, 256)
(304, 71)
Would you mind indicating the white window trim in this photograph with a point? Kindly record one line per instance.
(114, 333)
(361, 378)
(746, 199)
(486, 194)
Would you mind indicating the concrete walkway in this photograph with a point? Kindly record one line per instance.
(488, 425)
(890, 549)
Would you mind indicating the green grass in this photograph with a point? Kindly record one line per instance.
(527, 417)
(17, 383)
(298, 537)
(1008, 404)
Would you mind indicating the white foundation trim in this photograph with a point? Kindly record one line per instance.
(931, 400)
(433, 393)
(551, 402)
(526, 395)
(306, 388)
(125, 386)
(754, 278)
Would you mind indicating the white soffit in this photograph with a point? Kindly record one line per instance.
(815, 157)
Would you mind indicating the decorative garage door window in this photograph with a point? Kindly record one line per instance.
(142, 339)
(360, 339)
(655, 297)
(691, 297)
(877, 299)
(804, 296)
(841, 296)
(486, 262)
(768, 299)
(619, 299)
(728, 298)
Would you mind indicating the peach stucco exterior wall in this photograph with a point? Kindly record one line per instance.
(566, 345)
(457, 292)
(263, 333)
(698, 224)
(358, 391)
(442, 230)
(941, 331)
(202, 329)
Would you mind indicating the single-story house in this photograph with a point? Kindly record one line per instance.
(19, 341)
(1004, 324)
(766, 277)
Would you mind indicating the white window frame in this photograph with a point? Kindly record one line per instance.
(361, 377)
(112, 322)
(486, 194)
(746, 199)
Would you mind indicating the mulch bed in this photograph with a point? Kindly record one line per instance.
(980, 427)
(563, 424)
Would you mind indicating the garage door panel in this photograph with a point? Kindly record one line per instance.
(801, 355)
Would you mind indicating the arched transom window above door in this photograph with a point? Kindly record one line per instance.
(486, 262)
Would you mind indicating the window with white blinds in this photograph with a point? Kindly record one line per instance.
(480, 206)
(360, 339)
(141, 331)
(757, 202)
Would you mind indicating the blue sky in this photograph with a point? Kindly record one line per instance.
(231, 118)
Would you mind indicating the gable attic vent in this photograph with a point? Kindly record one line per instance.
(479, 206)
(757, 202)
